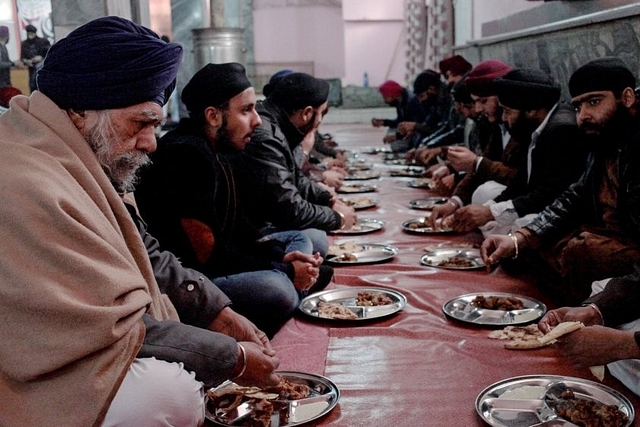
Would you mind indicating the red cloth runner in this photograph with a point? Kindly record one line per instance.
(417, 367)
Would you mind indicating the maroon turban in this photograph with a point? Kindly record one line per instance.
(456, 64)
(6, 93)
(479, 80)
(390, 89)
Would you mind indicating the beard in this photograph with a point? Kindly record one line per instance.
(608, 136)
(120, 168)
(309, 126)
(522, 129)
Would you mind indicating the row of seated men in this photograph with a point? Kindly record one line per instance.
(124, 329)
(552, 184)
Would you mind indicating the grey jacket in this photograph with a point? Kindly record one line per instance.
(211, 355)
(274, 188)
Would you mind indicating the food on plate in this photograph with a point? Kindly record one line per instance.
(450, 245)
(406, 172)
(587, 412)
(519, 337)
(457, 262)
(347, 257)
(357, 202)
(368, 298)
(347, 247)
(497, 303)
(332, 310)
(418, 225)
(260, 403)
(561, 329)
(354, 188)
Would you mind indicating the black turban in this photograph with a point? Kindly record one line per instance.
(460, 92)
(268, 88)
(213, 85)
(603, 74)
(425, 80)
(299, 90)
(109, 63)
(526, 89)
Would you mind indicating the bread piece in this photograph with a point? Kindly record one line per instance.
(560, 330)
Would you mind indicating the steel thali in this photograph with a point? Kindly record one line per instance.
(347, 297)
(461, 309)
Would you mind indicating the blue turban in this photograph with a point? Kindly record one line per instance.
(109, 63)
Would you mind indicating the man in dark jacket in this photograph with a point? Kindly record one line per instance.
(592, 230)
(555, 160)
(33, 50)
(190, 200)
(278, 195)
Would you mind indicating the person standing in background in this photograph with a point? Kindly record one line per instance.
(5, 62)
(33, 50)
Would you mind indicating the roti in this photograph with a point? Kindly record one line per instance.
(519, 337)
(561, 329)
(332, 310)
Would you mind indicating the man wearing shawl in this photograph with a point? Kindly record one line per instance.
(91, 334)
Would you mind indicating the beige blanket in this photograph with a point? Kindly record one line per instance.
(75, 279)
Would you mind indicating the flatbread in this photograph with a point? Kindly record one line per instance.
(519, 337)
(332, 310)
(560, 330)
(598, 372)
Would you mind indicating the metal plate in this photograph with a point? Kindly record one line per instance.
(460, 308)
(362, 175)
(421, 226)
(376, 150)
(509, 403)
(356, 188)
(364, 226)
(412, 172)
(472, 255)
(323, 398)
(420, 183)
(359, 202)
(427, 203)
(370, 253)
(347, 297)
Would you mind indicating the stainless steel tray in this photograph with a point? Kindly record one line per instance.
(362, 175)
(347, 297)
(518, 402)
(364, 226)
(356, 188)
(422, 226)
(460, 308)
(323, 398)
(420, 183)
(359, 202)
(411, 171)
(370, 254)
(427, 203)
(472, 255)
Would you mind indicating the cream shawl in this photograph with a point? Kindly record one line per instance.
(75, 278)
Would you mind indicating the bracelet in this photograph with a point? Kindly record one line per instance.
(595, 307)
(244, 361)
(515, 243)
(343, 220)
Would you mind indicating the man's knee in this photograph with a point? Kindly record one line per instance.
(157, 393)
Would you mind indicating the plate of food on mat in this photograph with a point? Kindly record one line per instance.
(299, 398)
(423, 226)
(495, 309)
(463, 258)
(359, 202)
(361, 175)
(409, 171)
(354, 253)
(356, 188)
(353, 303)
(553, 401)
(376, 150)
(362, 226)
(421, 183)
(427, 203)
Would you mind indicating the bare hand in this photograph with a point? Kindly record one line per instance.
(461, 158)
(440, 212)
(406, 128)
(445, 184)
(350, 217)
(377, 122)
(470, 217)
(236, 326)
(305, 275)
(552, 318)
(597, 345)
(388, 138)
(261, 366)
(495, 247)
(332, 178)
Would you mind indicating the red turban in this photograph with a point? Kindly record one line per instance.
(390, 89)
(455, 64)
(480, 78)
(6, 93)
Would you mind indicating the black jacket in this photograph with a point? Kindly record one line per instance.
(187, 186)
(274, 188)
(557, 160)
